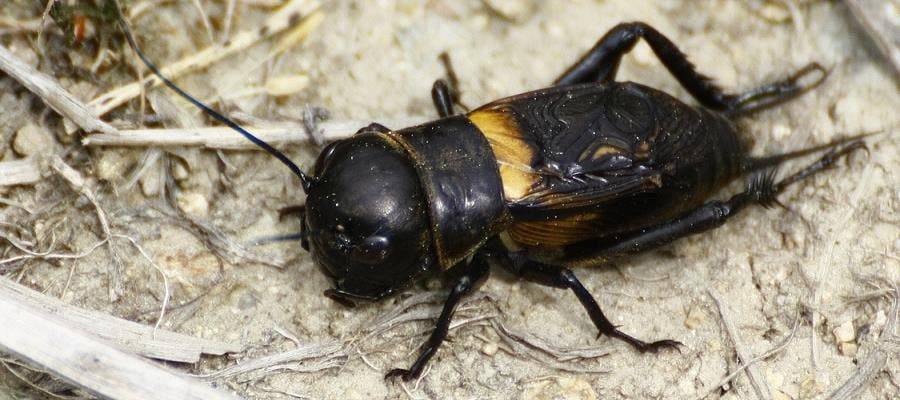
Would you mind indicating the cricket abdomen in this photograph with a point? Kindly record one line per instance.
(588, 161)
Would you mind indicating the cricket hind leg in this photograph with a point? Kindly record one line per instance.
(762, 189)
(563, 278)
(601, 63)
(752, 164)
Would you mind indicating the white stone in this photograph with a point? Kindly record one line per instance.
(849, 349)
(880, 319)
(112, 165)
(695, 318)
(489, 349)
(844, 333)
(150, 183)
(32, 139)
(194, 204)
(180, 172)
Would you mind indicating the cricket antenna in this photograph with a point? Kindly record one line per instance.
(305, 181)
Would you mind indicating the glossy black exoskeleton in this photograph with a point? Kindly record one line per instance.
(575, 175)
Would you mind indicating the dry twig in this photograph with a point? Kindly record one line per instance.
(774, 350)
(8, 363)
(10, 25)
(205, 19)
(224, 247)
(127, 335)
(87, 362)
(753, 374)
(284, 18)
(875, 18)
(79, 185)
(48, 255)
(546, 353)
(166, 295)
(19, 172)
(322, 355)
(225, 138)
(52, 93)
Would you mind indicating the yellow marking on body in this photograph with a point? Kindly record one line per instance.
(508, 242)
(599, 152)
(554, 233)
(513, 153)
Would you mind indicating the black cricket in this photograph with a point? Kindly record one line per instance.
(579, 174)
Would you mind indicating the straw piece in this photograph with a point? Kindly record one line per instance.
(225, 138)
(875, 18)
(52, 93)
(126, 335)
(19, 172)
(286, 17)
(35, 336)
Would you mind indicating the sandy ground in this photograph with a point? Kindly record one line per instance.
(378, 59)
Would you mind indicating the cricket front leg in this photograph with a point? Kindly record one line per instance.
(473, 273)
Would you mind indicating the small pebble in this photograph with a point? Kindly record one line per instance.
(247, 301)
(112, 165)
(849, 349)
(180, 172)
(24, 52)
(489, 349)
(194, 204)
(479, 21)
(844, 333)
(880, 320)
(150, 183)
(32, 139)
(695, 318)
(554, 30)
(792, 390)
